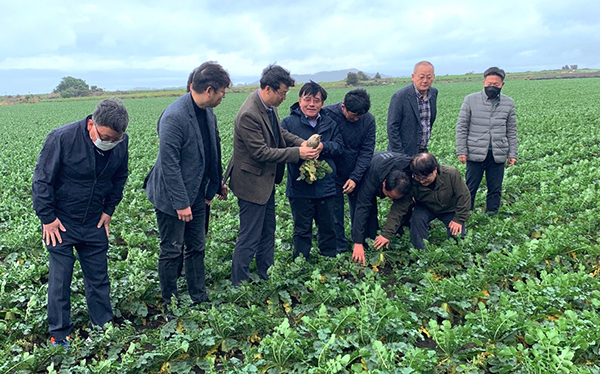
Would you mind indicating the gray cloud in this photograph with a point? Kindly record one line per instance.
(160, 39)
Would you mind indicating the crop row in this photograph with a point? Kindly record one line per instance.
(520, 294)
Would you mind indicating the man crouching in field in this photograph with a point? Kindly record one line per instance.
(77, 183)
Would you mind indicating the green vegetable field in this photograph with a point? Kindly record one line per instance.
(520, 294)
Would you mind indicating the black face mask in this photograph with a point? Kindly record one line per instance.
(492, 92)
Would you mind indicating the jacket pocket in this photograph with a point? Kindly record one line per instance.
(252, 169)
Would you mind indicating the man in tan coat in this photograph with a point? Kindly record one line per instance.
(260, 150)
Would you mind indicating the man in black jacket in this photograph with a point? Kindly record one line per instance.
(412, 113)
(313, 201)
(77, 183)
(357, 127)
(386, 177)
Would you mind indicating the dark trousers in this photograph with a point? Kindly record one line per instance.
(339, 216)
(179, 238)
(304, 211)
(206, 218)
(494, 175)
(419, 223)
(91, 244)
(256, 238)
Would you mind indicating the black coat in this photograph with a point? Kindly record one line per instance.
(404, 121)
(365, 215)
(297, 124)
(359, 144)
(176, 180)
(65, 184)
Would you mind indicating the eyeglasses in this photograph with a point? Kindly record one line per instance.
(423, 77)
(281, 93)
(107, 139)
(308, 99)
(353, 116)
(421, 178)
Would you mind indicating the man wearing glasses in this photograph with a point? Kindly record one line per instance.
(260, 150)
(439, 192)
(185, 178)
(316, 200)
(77, 183)
(412, 113)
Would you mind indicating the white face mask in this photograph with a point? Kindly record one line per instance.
(106, 146)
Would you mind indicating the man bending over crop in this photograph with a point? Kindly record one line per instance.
(386, 177)
(77, 183)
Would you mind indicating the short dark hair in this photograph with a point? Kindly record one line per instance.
(312, 88)
(398, 181)
(423, 164)
(209, 74)
(273, 75)
(494, 70)
(357, 101)
(111, 113)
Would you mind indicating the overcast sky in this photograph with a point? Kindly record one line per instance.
(129, 44)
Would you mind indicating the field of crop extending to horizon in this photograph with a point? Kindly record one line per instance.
(520, 294)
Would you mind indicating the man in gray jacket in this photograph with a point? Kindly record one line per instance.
(185, 177)
(486, 137)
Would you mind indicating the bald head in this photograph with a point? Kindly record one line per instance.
(423, 63)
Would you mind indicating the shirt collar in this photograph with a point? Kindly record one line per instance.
(419, 96)
(261, 100)
(313, 123)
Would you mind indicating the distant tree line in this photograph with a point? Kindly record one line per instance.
(352, 79)
(569, 67)
(75, 87)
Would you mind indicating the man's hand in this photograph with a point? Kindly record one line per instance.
(208, 202)
(320, 148)
(511, 161)
(185, 214)
(380, 242)
(51, 232)
(462, 159)
(224, 192)
(455, 228)
(358, 254)
(348, 187)
(104, 221)
(308, 153)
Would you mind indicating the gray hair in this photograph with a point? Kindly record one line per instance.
(422, 63)
(111, 113)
